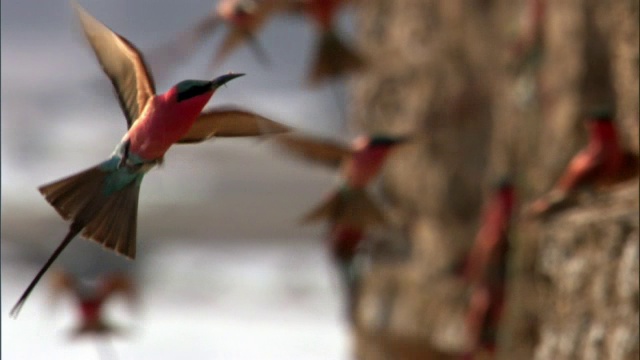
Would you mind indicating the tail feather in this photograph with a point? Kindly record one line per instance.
(71, 194)
(234, 38)
(333, 59)
(114, 226)
(99, 328)
(353, 207)
(109, 219)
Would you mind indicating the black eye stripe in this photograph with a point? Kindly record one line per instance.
(192, 91)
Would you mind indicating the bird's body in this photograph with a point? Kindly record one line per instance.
(349, 204)
(602, 163)
(323, 12)
(333, 57)
(162, 123)
(490, 243)
(485, 270)
(365, 164)
(90, 299)
(102, 202)
(92, 321)
(349, 209)
(344, 241)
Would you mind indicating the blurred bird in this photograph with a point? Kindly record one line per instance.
(90, 299)
(344, 242)
(243, 18)
(333, 58)
(350, 204)
(102, 201)
(601, 163)
(349, 210)
(485, 269)
(528, 47)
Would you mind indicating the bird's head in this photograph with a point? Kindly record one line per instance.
(503, 184)
(600, 114)
(386, 141)
(505, 191)
(234, 9)
(245, 7)
(600, 124)
(193, 89)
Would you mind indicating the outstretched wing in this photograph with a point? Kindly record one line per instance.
(325, 152)
(118, 283)
(122, 62)
(245, 28)
(61, 283)
(166, 57)
(230, 122)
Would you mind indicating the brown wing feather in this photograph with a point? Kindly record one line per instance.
(122, 62)
(118, 283)
(109, 220)
(232, 40)
(247, 32)
(321, 151)
(333, 59)
(353, 208)
(230, 122)
(168, 55)
(61, 282)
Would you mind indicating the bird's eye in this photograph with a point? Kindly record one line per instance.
(191, 88)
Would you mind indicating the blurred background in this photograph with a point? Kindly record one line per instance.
(499, 89)
(224, 270)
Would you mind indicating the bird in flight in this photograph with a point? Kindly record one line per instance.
(102, 202)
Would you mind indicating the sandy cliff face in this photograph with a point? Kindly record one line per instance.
(497, 92)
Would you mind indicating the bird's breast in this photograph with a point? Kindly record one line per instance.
(160, 125)
(364, 166)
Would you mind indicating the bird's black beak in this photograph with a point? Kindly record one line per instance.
(400, 140)
(221, 80)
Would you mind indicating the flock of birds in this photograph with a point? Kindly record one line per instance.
(101, 202)
(244, 19)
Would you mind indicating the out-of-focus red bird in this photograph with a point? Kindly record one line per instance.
(349, 210)
(529, 44)
(350, 204)
(485, 270)
(333, 57)
(90, 299)
(601, 163)
(243, 20)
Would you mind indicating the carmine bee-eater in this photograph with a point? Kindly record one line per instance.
(333, 58)
(528, 46)
(485, 269)
(102, 201)
(349, 210)
(350, 204)
(91, 298)
(243, 18)
(602, 162)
